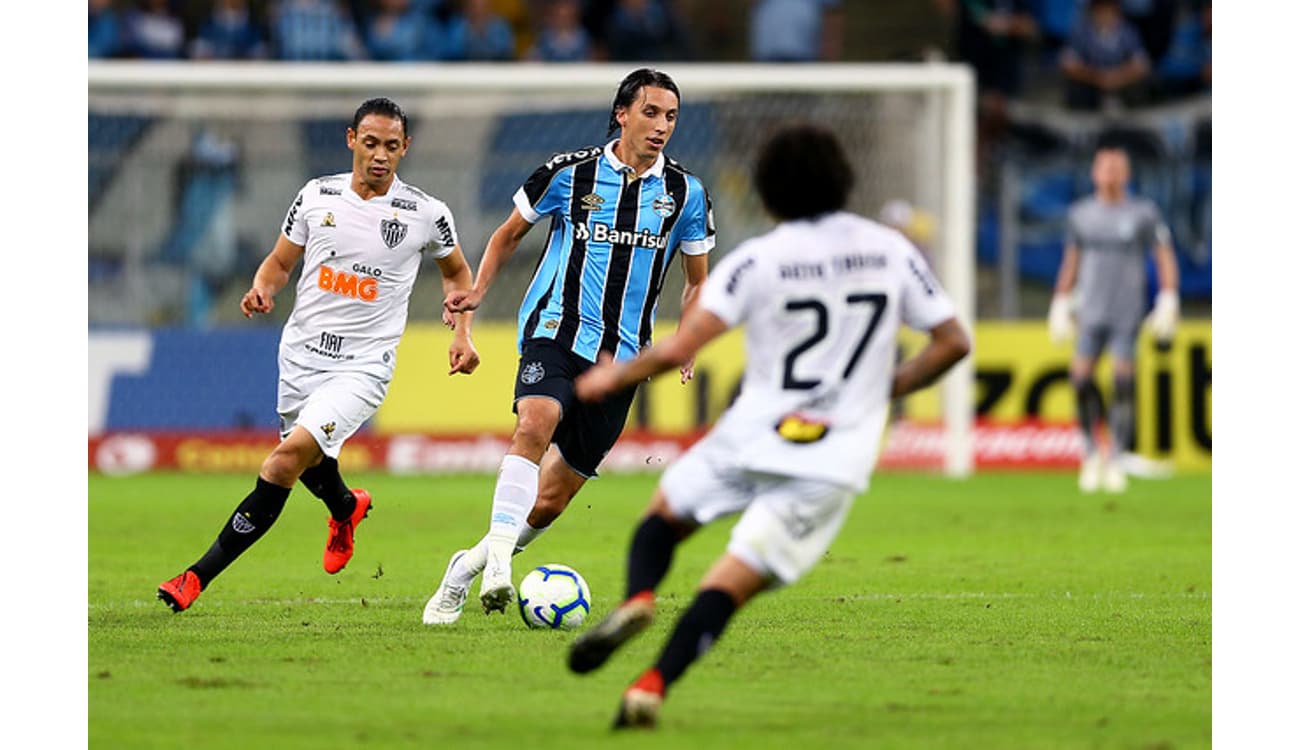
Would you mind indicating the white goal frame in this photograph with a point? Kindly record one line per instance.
(952, 86)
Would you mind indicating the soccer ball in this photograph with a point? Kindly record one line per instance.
(554, 597)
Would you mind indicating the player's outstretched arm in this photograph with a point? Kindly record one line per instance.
(271, 277)
(503, 244)
(456, 276)
(698, 328)
(948, 344)
(696, 269)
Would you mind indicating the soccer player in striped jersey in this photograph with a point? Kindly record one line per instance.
(619, 215)
(822, 298)
(1108, 237)
(361, 238)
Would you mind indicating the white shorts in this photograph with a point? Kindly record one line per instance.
(788, 522)
(329, 405)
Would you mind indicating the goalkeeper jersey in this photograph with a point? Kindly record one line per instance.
(611, 241)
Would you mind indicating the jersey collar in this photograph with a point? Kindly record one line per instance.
(655, 170)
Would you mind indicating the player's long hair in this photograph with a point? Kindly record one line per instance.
(631, 86)
(802, 172)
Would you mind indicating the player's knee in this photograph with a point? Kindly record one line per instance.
(284, 465)
(533, 435)
(548, 507)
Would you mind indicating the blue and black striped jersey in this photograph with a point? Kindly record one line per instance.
(610, 244)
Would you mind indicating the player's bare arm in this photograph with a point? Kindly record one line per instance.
(456, 276)
(948, 344)
(698, 328)
(696, 270)
(501, 246)
(271, 277)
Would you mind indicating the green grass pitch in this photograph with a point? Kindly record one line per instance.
(1007, 611)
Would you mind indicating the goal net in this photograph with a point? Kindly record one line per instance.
(192, 166)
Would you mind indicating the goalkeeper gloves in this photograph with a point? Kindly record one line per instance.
(1164, 316)
(1060, 320)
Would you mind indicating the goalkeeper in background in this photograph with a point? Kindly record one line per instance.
(1100, 294)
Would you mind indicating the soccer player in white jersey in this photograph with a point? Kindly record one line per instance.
(1108, 237)
(360, 237)
(821, 297)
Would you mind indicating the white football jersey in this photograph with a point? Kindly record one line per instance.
(359, 267)
(821, 301)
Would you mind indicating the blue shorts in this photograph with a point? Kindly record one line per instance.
(586, 431)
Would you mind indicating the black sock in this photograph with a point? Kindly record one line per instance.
(1087, 401)
(696, 632)
(650, 554)
(324, 481)
(250, 522)
(1121, 414)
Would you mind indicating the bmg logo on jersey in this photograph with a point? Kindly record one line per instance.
(343, 283)
(605, 233)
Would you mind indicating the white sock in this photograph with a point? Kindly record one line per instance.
(515, 494)
(469, 565)
(474, 560)
(527, 535)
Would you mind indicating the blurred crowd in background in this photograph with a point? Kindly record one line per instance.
(1054, 77)
(1085, 52)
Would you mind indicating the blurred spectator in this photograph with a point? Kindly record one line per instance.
(229, 33)
(1154, 21)
(1056, 18)
(645, 30)
(315, 30)
(1205, 26)
(151, 31)
(477, 33)
(1183, 69)
(397, 31)
(1103, 59)
(105, 29)
(993, 36)
(562, 37)
(796, 30)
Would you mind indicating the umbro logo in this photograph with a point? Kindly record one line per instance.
(591, 201)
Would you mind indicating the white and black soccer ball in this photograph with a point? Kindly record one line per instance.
(554, 597)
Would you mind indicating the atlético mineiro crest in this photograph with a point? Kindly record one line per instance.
(664, 205)
(532, 373)
(392, 231)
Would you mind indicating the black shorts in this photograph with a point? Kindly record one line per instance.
(586, 431)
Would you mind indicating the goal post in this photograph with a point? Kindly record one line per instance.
(479, 129)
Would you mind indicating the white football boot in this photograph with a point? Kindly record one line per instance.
(446, 604)
(1113, 478)
(1090, 473)
(496, 591)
